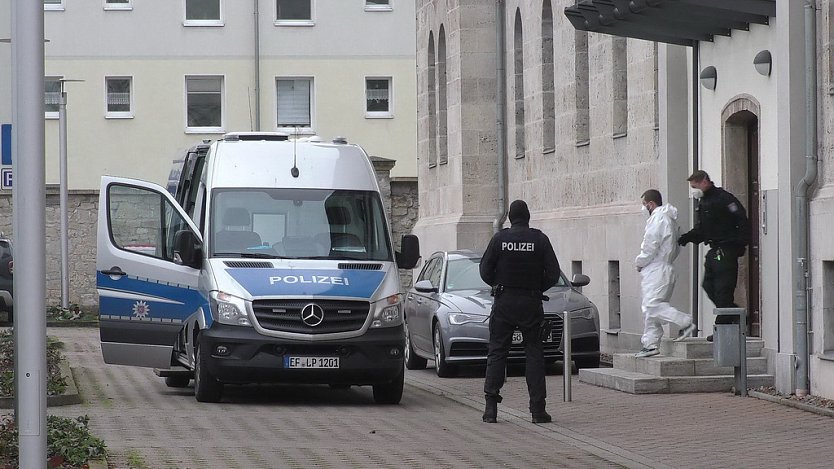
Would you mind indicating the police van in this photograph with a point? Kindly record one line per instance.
(265, 260)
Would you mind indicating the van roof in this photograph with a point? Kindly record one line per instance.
(269, 163)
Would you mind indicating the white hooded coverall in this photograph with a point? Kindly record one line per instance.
(657, 252)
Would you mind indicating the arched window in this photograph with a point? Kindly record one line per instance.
(518, 70)
(442, 122)
(548, 93)
(432, 104)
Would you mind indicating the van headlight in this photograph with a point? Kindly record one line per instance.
(388, 312)
(229, 309)
(457, 319)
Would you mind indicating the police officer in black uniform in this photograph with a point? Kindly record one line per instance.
(520, 265)
(721, 222)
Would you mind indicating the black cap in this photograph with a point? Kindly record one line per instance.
(519, 213)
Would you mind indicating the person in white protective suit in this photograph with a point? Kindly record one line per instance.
(657, 253)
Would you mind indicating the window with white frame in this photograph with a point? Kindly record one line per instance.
(204, 103)
(378, 5)
(53, 4)
(51, 96)
(203, 13)
(294, 12)
(378, 97)
(119, 96)
(118, 4)
(294, 98)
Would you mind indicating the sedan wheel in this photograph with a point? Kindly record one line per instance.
(412, 360)
(443, 369)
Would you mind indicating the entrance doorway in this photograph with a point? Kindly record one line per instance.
(741, 177)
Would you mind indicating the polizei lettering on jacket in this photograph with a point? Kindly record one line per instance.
(508, 246)
(318, 279)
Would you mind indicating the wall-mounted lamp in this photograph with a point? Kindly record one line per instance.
(763, 62)
(709, 76)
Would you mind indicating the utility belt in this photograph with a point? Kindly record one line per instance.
(499, 290)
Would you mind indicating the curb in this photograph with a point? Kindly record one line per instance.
(791, 403)
(70, 395)
(601, 449)
(71, 323)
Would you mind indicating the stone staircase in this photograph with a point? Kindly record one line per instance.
(685, 366)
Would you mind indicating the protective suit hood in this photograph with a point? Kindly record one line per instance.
(667, 210)
(660, 238)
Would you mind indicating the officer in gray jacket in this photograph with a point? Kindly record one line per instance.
(520, 265)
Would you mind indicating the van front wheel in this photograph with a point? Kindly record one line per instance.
(391, 392)
(206, 386)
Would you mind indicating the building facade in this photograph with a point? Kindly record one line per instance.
(325, 67)
(599, 104)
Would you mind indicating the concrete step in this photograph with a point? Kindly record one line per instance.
(663, 366)
(698, 347)
(641, 383)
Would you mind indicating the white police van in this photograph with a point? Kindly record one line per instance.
(269, 260)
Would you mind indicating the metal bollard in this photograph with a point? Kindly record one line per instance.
(566, 354)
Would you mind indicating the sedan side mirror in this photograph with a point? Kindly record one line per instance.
(580, 280)
(425, 286)
(188, 250)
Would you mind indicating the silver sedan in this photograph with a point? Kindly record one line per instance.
(447, 317)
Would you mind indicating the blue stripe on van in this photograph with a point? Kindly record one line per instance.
(147, 299)
(307, 282)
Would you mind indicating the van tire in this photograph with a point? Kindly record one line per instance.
(177, 381)
(390, 393)
(206, 386)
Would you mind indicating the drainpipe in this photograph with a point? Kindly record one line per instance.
(695, 165)
(801, 193)
(257, 67)
(500, 124)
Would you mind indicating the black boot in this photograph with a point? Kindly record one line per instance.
(539, 414)
(491, 409)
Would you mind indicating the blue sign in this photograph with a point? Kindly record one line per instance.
(6, 144)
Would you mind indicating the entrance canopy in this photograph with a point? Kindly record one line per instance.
(681, 22)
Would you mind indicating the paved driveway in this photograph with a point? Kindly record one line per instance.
(146, 424)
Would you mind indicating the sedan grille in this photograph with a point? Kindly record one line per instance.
(480, 349)
(285, 315)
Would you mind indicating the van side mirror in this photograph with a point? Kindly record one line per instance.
(409, 252)
(580, 280)
(188, 250)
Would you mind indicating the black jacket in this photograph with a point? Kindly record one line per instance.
(720, 221)
(520, 257)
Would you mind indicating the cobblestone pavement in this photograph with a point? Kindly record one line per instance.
(146, 424)
(678, 430)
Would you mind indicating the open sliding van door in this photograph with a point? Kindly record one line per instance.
(146, 293)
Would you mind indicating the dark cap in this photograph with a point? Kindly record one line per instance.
(519, 213)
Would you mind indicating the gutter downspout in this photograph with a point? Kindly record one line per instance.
(257, 67)
(500, 124)
(801, 193)
(696, 51)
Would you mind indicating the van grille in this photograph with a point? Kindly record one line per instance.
(285, 315)
(358, 266)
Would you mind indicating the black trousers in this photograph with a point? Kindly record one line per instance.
(508, 312)
(720, 279)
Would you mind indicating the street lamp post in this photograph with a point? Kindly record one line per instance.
(63, 193)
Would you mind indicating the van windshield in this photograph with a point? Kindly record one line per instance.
(299, 224)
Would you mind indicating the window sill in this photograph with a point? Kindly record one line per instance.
(293, 131)
(548, 151)
(118, 8)
(203, 23)
(619, 135)
(51, 116)
(379, 8)
(119, 115)
(612, 331)
(205, 130)
(519, 157)
(53, 8)
(379, 115)
(583, 143)
(827, 355)
(293, 23)
(432, 165)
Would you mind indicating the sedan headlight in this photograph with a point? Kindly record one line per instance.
(584, 313)
(229, 309)
(388, 312)
(457, 319)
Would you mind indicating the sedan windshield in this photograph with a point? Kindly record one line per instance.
(464, 274)
(299, 224)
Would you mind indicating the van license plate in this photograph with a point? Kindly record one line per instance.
(311, 362)
(517, 338)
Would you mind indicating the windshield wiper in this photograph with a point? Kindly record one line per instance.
(252, 255)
